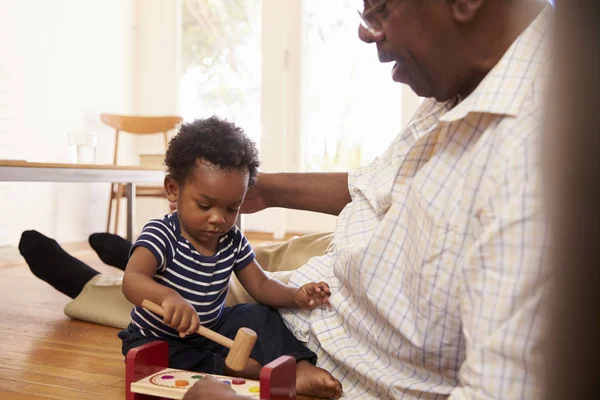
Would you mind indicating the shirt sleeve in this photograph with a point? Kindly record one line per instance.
(245, 254)
(362, 176)
(504, 279)
(158, 237)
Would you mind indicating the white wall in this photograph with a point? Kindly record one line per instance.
(63, 62)
(156, 82)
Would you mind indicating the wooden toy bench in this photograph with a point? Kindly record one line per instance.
(148, 376)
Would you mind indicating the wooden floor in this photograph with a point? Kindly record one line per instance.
(43, 353)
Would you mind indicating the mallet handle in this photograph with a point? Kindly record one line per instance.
(207, 333)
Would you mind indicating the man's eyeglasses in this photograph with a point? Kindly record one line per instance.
(372, 15)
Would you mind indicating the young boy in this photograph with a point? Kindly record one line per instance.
(183, 262)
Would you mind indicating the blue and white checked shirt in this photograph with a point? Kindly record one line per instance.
(436, 266)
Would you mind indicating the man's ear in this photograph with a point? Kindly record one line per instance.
(465, 11)
(171, 189)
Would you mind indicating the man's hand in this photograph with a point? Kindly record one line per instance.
(180, 315)
(312, 295)
(210, 389)
(255, 200)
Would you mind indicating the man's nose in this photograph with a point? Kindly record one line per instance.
(366, 36)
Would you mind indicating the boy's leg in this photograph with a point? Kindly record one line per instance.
(196, 355)
(274, 338)
(281, 259)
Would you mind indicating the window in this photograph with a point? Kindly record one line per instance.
(221, 61)
(352, 107)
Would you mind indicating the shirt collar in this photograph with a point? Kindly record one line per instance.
(505, 87)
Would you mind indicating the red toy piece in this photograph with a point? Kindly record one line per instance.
(277, 379)
(144, 361)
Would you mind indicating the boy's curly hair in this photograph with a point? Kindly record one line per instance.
(215, 140)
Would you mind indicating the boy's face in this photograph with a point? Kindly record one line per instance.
(208, 203)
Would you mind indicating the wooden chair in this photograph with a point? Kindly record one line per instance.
(136, 125)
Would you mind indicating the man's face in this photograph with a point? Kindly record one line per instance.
(419, 37)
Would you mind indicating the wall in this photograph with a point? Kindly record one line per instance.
(156, 63)
(63, 63)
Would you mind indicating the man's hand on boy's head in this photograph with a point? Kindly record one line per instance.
(255, 200)
(312, 295)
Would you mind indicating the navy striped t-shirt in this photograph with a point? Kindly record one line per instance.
(203, 281)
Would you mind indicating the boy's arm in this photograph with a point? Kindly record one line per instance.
(138, 282)
(265, 290)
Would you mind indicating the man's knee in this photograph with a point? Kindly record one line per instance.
(292, 254)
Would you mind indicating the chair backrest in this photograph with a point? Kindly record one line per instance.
(140, 125)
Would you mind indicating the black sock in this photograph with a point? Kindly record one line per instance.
(49, 262)
(112, 249)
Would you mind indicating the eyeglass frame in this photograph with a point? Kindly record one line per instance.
(373, 30)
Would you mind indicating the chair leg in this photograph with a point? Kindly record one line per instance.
(117, 206)
(110, 203)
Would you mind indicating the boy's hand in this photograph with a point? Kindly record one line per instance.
(312, 295)
(180, 315)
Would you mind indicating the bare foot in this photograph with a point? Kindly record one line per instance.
(313, 381)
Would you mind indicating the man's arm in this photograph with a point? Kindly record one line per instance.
(320, 192)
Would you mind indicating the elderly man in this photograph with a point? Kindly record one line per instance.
(436, 262)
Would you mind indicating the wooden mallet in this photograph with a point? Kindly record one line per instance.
(239, 348)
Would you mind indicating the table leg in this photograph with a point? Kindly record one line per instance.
(130, 189)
